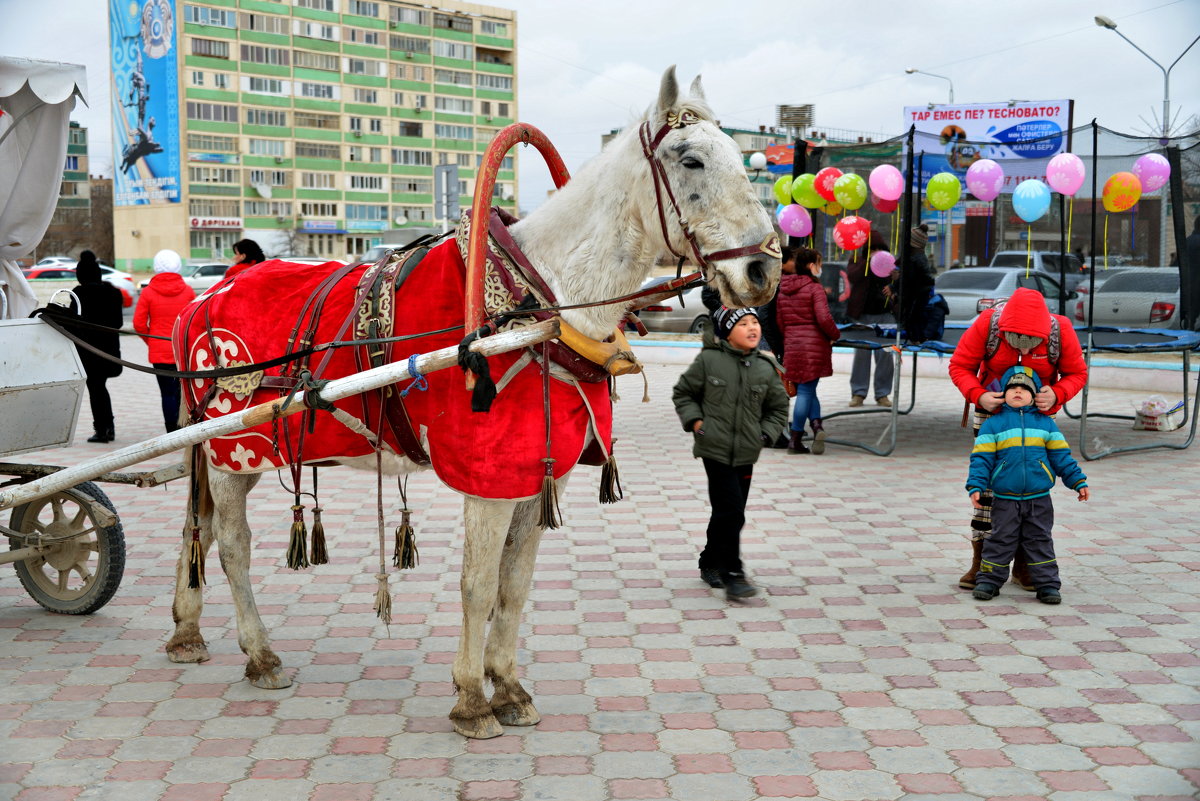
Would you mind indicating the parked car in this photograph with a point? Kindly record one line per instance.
(202, 277)
(66, 272)
(56, 261)
(1045, 262)
(1135, 297)
(671, 315)
(972, 290)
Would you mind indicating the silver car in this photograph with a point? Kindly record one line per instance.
(971, 290)
(670, 315)
(1135, 297)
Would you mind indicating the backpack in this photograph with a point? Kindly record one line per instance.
(1053, 344)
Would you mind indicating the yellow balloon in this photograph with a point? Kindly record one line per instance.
(833, 208)
(1121, 192)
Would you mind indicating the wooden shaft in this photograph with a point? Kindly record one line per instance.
(265, 412)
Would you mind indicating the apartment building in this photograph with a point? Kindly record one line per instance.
(311, 126)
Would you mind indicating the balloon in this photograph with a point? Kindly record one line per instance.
(887, 182)
(1152, 170)
(825, 181)
(985, 179)
(783, 190)
(850, 191)
(795, 220)
(943, 190)
(885, 206)
(883, 263)
(1031, 200)
(833, 209)
(1121, 192)
(1065, 173)
(805, 193)
(851, 233)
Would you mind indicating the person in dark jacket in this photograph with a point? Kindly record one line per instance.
(154, 318)
(916, 283)
(809, 332)
(1016, 456)
(731, 400)
(248, 254)
(870, 303)
(100, 303)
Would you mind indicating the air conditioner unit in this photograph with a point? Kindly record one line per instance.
(280, 219)
(357, 134)
(408, 54)
(279, 159)
(393, 23)
(417, 110)
(488, 118)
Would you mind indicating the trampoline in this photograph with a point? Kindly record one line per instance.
(1096, 340)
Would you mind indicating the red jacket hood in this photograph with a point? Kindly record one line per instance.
(791, 284)
(169, 284)
(1026, 313)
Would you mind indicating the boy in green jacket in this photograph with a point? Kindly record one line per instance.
(732, 401)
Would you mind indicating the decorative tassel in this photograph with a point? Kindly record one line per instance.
(319, 555)
(297, 556)
(549, 515)
(404, 555)
(610, 481)
(195, 561)
(383, 599)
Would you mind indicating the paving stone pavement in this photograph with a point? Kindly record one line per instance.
(860, 674)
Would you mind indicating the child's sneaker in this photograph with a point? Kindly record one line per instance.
(985, 592)
(1049, 595)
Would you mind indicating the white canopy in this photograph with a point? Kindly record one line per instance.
(36, 100)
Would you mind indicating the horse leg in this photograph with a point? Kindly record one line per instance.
(511, 704)
(187, 643)
(487, 524)
(263, 668)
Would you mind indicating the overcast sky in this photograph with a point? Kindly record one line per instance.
(588, 67)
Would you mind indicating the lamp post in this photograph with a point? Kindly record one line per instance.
(911, 70)
(1106, 22)
(758, 163)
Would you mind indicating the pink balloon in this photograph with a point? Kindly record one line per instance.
(1065, 173)
(887, 182)
(985, 179)
(1152, 170)
(883, 263)
(794, 220)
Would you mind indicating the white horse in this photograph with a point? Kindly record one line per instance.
(714, 219)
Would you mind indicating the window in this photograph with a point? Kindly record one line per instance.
(409, 44)
(462, 24)
(257, 54)
(462, 160)
(319, 209)
(485, 107)
(443, 131)
(268, 147)
(502, 109)
(72, 163)
(409, 16)
(317, 5)
(409, 128)
(311, 119)
(362, 8)
(211, 112)
(369, 96)
(321, 244)
(486, 81)
(360, 211)
(212, 144)
(313, 150)
(493, 28)
(213, 207)
(452, 76)
(365, 66)
(315, 30)
(263, 116)
(263, 23)
(208, 16)
(375, 155)
(269, 177)
(210, 48)
(220, 80)
(420, 158)
(413, 213)
(420, 101)
(458, 105)
(418, 73)
(457, 50)
(212, 175)
(373, 183)
(318, 180)
(376, 125)
(356, 124)
(77, 136)
(216, 241)
(362, 36)
(505, 164)
(397, 98)
(316, 61)
(197, 79)
(266, 86)
(323, 91)
(354, 153)
(68, 189)
(408, 185)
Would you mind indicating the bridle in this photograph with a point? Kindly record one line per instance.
(662, 186)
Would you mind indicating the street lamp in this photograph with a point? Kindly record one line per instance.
(758, 163)
(911, 70)
(1106, 22)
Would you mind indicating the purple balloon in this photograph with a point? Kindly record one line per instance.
(1153, 171)
(886, 182)
(1065, 173)
(883, 263)
(795, 220)
(985, 179)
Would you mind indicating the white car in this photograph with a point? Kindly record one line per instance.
(1135, 297)
(56, 261)
(971, 290)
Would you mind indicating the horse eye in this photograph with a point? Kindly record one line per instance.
(692, 163)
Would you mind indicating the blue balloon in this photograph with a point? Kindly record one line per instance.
(1031, 200)
(778, 209)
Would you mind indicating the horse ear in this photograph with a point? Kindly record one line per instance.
(668, 92)
(697, 90)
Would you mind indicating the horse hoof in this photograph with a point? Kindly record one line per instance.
(517, 714)
(275, 680)
(481, 728)
(190, 652)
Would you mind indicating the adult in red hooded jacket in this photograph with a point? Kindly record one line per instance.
(809, 331)
(1023, 338)
(157, 309)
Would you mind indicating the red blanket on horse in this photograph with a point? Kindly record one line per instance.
(498, 454)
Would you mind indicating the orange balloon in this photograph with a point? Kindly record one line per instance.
(1121, 192)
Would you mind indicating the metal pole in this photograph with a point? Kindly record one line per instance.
(1062, 254)
(1189, 286)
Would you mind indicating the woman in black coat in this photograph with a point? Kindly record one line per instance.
(100, 304)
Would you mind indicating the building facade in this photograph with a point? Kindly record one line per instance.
(311, 126)
(70, 229)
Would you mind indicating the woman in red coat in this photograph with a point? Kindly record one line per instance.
(158, 306)
(802, 314)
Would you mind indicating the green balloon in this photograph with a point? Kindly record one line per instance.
(805, 192)
(943, 190)
(850, 191)
(783, 190)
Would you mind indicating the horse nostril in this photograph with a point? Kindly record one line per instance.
(756, 274)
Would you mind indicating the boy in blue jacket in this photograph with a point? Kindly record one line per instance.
(1017, 454)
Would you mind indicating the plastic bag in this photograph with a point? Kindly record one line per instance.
(1152, 406)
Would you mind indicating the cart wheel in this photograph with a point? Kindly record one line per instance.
(76, 576)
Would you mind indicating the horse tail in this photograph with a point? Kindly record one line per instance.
(200, 507)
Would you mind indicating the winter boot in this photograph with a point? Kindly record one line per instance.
(796, 443)
(967, 582)
(818, 446)
(103, 435)
(1020, 572)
